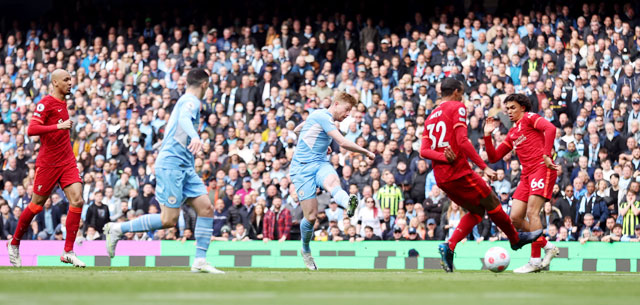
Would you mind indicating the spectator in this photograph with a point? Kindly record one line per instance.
(390, 196)
(47, 221)
(97, 215)
(257, 223)
(277, 222)
(371, 217)
(8, 223)
(629, 211)
(451, 218)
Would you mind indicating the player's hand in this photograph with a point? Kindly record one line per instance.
(490, 125)
(549, 163)
(195, 146)
(65, 125)
(490, 173)
(449, 154)
(371, 155)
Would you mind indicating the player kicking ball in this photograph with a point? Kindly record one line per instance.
(55, 164)
(310, 168)
(445, 142)
(531, 136)
(177, 181)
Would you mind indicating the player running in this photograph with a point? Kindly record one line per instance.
(177, 181)
(445, 142)
(55, 164)
(532, 138)
(310, 168)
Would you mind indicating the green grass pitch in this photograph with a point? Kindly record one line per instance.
(128, 285)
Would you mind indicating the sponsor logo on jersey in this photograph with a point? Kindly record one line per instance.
(519, 140)
(462, 111)
(39, 187)
(172, 199)
(301, 193)
(40, 107)
(60, 121)
(37, 114)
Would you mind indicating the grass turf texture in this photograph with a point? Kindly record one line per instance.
(129, 285)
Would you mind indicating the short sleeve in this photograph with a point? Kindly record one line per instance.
(41, 112)
(327, 123)
(193, 107)
(460, 117)
(533, 119)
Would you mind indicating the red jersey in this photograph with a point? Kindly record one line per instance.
(527, 137)
(55, 148)
(439, 133)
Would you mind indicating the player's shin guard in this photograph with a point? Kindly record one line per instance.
(143, 223)
(502, 220)
(341, 197)
(25, 220)
(73, 222)
(536, 247)
(203, 233)
(306, 230)
(463, 229)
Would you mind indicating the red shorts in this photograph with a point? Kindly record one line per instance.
(468, 189)
(47, 177)
(538, 182)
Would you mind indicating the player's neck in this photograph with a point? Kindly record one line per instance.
(58, 95)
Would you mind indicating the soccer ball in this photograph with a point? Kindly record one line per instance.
(496, 259)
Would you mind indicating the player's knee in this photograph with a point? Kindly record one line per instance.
(311, 217)
(517, 222)
(206, 211)
(169, 222)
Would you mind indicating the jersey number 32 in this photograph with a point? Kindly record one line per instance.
(440, 128)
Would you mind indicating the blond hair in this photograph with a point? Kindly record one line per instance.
(344, 97)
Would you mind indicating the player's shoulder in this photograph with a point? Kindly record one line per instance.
(531, 116)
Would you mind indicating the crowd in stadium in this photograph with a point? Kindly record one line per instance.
(580, 67)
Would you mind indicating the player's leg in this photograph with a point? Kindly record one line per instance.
(310, 211)
(44, 181)
(492, 204)
(13, 245)
(536, 203)
(328, 178)
(74, 195)
(465, 192)
(169, 195)
(304, 181)
(195, 190)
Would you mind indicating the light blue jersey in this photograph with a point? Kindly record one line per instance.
(175, 173)
(314, 137)
(180, 129)
(309, 167)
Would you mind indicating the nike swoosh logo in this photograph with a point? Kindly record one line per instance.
(59, 110)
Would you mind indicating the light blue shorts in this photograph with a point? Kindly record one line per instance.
(307, 177)
(174, 186)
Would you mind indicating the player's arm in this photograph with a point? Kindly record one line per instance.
(298, 129)
(549, 130)
(494, 154)
(428, 153)
(348, 145)
(460, 132)
(185, 122)
(37, 127)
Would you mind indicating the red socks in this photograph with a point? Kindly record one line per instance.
(537, 246)
(25, 220)
(502, 220)
(73, 222)
(463, 229)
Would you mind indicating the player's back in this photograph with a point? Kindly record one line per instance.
(174, 152)
(55, 149)
(439, 134)
(314, 139)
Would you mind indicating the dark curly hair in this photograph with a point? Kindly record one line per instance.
(521, 99)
